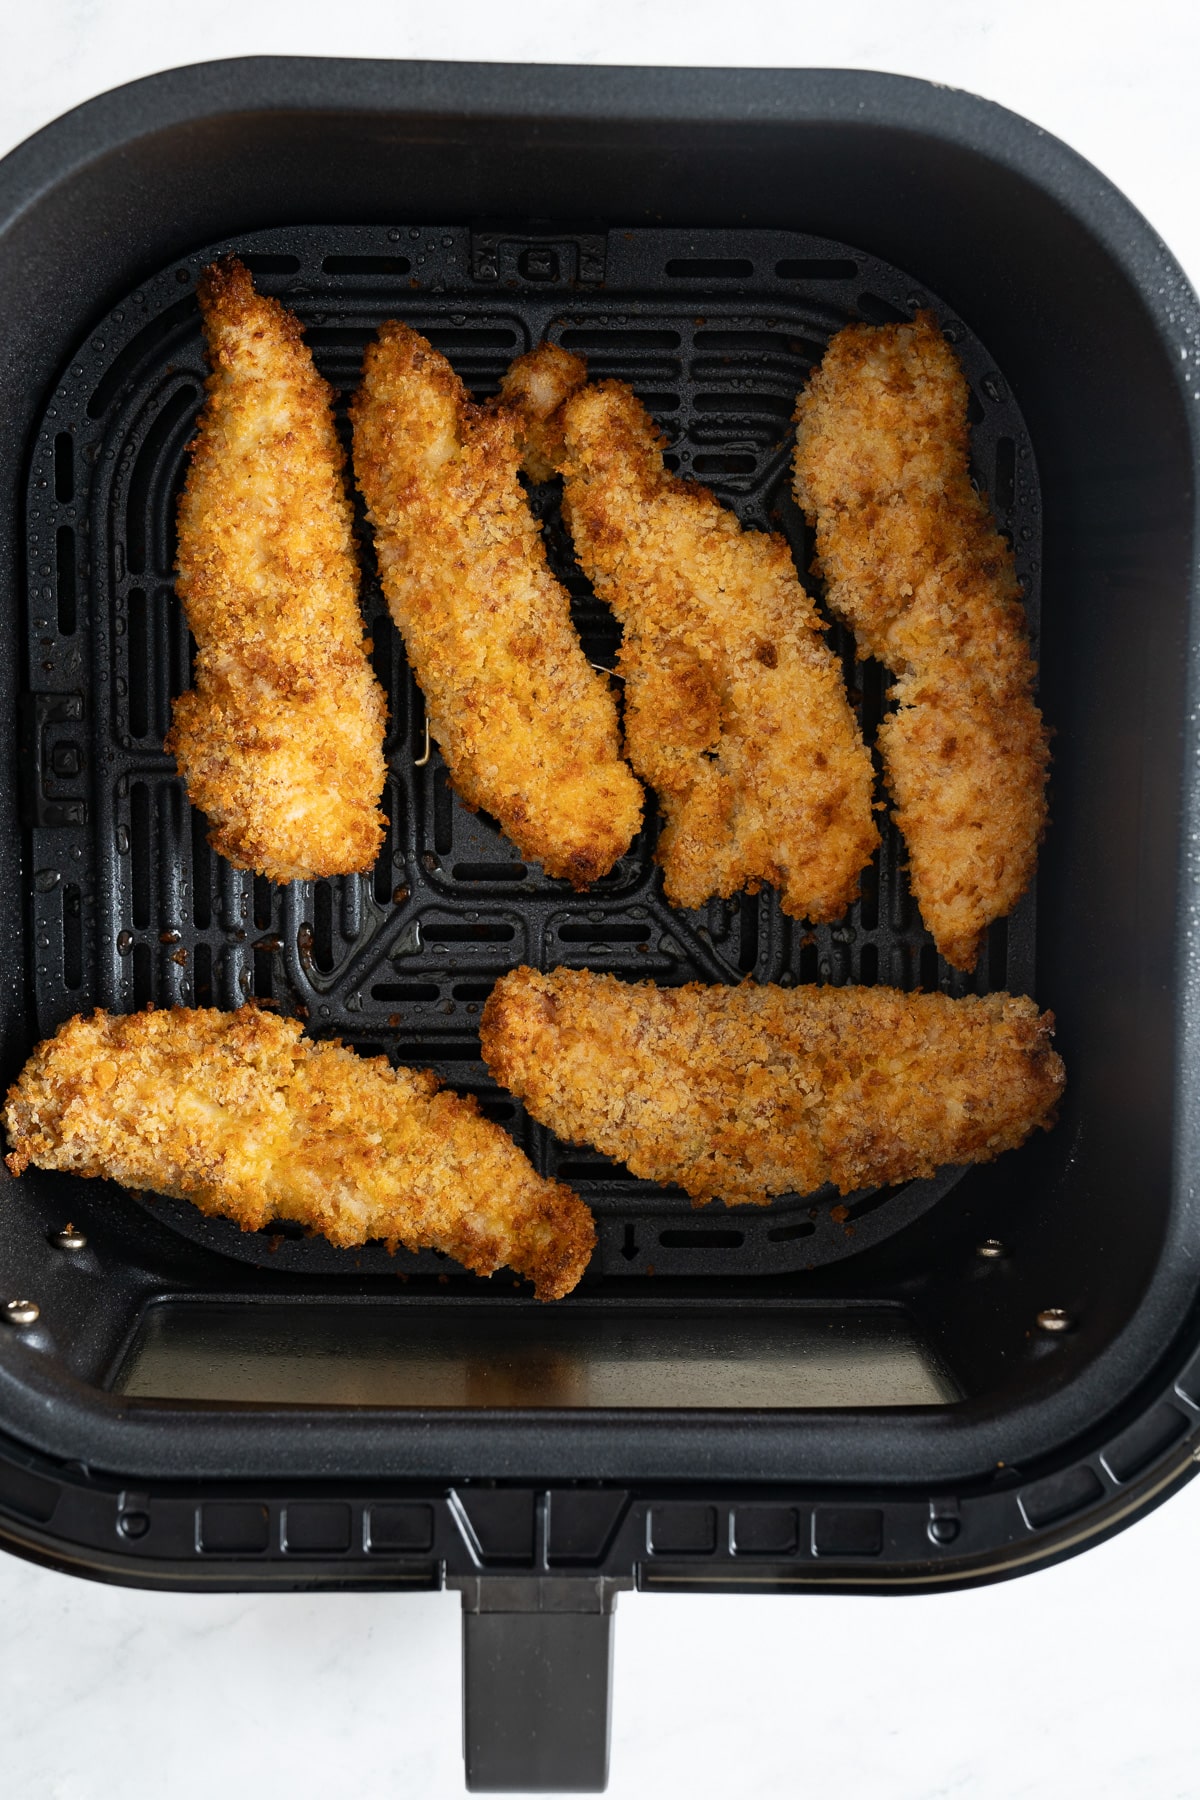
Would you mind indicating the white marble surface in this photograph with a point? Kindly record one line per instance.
(1075, 1681)
(1078, 1680)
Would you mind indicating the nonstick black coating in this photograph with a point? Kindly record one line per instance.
(1096, 331)
(717, 332)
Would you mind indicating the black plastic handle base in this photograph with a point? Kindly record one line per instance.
(537, 1680)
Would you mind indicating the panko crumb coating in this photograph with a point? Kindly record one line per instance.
(246, 1118)
(280, 740)
(739, 1093)
(528, 728)
(735, 708)
(914, 564)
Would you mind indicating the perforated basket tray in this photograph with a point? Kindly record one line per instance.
(717, 332)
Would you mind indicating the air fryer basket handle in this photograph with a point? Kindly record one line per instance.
(537, 1678)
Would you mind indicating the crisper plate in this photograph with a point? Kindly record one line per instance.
(717, 332)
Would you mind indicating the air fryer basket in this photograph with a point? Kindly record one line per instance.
(925, 1385)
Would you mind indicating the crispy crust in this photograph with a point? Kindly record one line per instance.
(741, 1093)
(915, 565)
(735, 709)
(534, 389)
(527, 727)
(280, 740)
(241, 1115)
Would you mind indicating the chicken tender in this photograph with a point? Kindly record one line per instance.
(280, 741)
(241, 1115)
(735, 710)
(741, 1093)
(914, 564)
(528, 728)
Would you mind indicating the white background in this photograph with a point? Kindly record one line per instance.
(1079, 1680)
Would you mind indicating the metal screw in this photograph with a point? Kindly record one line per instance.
(1054, 1319)
(22, 1312)
(990, 1248)
(68, 1239)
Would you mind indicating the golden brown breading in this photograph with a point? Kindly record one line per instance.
(534, 389)
(741, 1093)
(527, 727)
(734, 705)
(239, 1114)
(280, 740)
(915, 565)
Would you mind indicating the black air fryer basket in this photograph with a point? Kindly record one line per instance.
(918, 1386)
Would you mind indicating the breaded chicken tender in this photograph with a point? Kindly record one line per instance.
(280, 741)
(735, 710)
(741, 1093)
(527, 727)
(915, 565)
(241, 1115)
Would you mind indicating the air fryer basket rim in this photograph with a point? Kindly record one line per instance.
(164, 1442)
